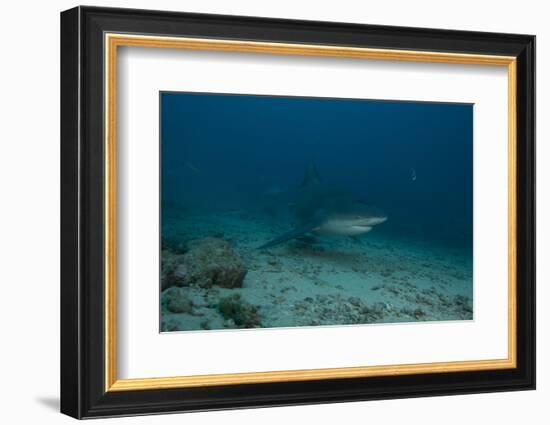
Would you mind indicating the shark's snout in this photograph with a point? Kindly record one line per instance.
(366, 218)
(349, 224)
(373, 221)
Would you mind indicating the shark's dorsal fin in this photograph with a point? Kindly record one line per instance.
(312, 176)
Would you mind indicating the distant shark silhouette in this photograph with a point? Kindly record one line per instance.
(327, 211)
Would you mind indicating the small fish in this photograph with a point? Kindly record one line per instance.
(413, 174)
(192, 167)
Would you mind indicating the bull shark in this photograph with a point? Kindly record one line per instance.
(324, 210)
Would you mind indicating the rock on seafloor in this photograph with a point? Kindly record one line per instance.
(207, 262)
(177, 300)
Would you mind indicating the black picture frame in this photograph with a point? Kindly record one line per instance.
(83, 392)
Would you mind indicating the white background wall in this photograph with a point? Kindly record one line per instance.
(29, 213)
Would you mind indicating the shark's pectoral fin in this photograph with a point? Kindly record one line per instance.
(295, 233)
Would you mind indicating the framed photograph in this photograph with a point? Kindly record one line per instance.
(261, 212)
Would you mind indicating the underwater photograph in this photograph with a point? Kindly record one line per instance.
(281, 211)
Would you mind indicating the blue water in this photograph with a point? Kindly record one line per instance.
(413, 160)
(238, 147)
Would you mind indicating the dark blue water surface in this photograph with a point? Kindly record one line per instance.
(411, 159)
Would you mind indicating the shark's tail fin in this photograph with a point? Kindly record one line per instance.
(311, 176)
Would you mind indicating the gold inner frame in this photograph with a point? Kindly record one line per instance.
(113, 41)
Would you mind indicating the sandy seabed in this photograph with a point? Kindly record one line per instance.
(323, 281)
